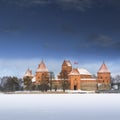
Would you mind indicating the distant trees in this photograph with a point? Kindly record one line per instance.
(8, 84)
(44, 86)
(65, 85)
(27, 83)
(115, 81)
(51, 77)
(44, 83)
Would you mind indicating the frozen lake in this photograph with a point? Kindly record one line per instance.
(60, 107)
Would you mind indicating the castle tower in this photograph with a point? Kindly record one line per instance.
(42, 72)
(104, 75)
(74, 79)
(28, 73)
(65, 70)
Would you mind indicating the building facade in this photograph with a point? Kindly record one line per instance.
(78, 78)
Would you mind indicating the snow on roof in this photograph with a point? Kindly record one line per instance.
(28, 73)
(74, 72)
(68, 62)
(88, 79)
(79, 71)
(42, 67)
(83, 71)
(103, 69)
(33, 79)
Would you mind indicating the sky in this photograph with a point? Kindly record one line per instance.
(83, 31)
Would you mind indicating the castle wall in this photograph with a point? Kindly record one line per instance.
(104, 78)
(89, 85)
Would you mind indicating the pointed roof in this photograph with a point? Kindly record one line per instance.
(42, 67)
(79, 71)
(28, 73)
(83, 71)
(74, 72)
(103, 69)
(67, 62)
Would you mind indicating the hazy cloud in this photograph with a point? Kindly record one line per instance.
(100, 40)
(78, 4)
(26, 2)
(81, 5)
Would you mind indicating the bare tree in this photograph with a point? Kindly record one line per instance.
(52, 76)
(65, 83)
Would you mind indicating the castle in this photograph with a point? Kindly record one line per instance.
(78, 78)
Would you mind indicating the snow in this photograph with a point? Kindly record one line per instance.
(59, 107)
(79, 71)
(33, 79)
(68, 63)
(42, 67)
(83, 71)
(103, 69)
(28, 73)
(88, 79)
(74, 72)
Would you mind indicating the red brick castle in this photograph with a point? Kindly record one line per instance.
(78, 78)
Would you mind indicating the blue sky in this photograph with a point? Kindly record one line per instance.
(86, 31)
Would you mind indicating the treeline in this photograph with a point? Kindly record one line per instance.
(44, 85)
(9, 83)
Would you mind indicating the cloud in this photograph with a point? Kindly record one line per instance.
(100, 40)
(81, 5)
(22, 3)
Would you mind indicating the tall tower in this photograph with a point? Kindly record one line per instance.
(65, 70)
(104, 75)
(42, 73)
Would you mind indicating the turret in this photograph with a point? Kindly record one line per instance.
(104, 76)
(28, 73)
(42, 72)
(65, 70)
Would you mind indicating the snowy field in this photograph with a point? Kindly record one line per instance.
(60, 107)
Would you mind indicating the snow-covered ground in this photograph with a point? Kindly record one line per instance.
(60, 107)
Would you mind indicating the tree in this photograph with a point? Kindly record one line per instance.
(44, 82)
(55, 88)
(27, 83)
(52, 76)
(44, 86)
(65, 83)
(12, 84)
(116, 80)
